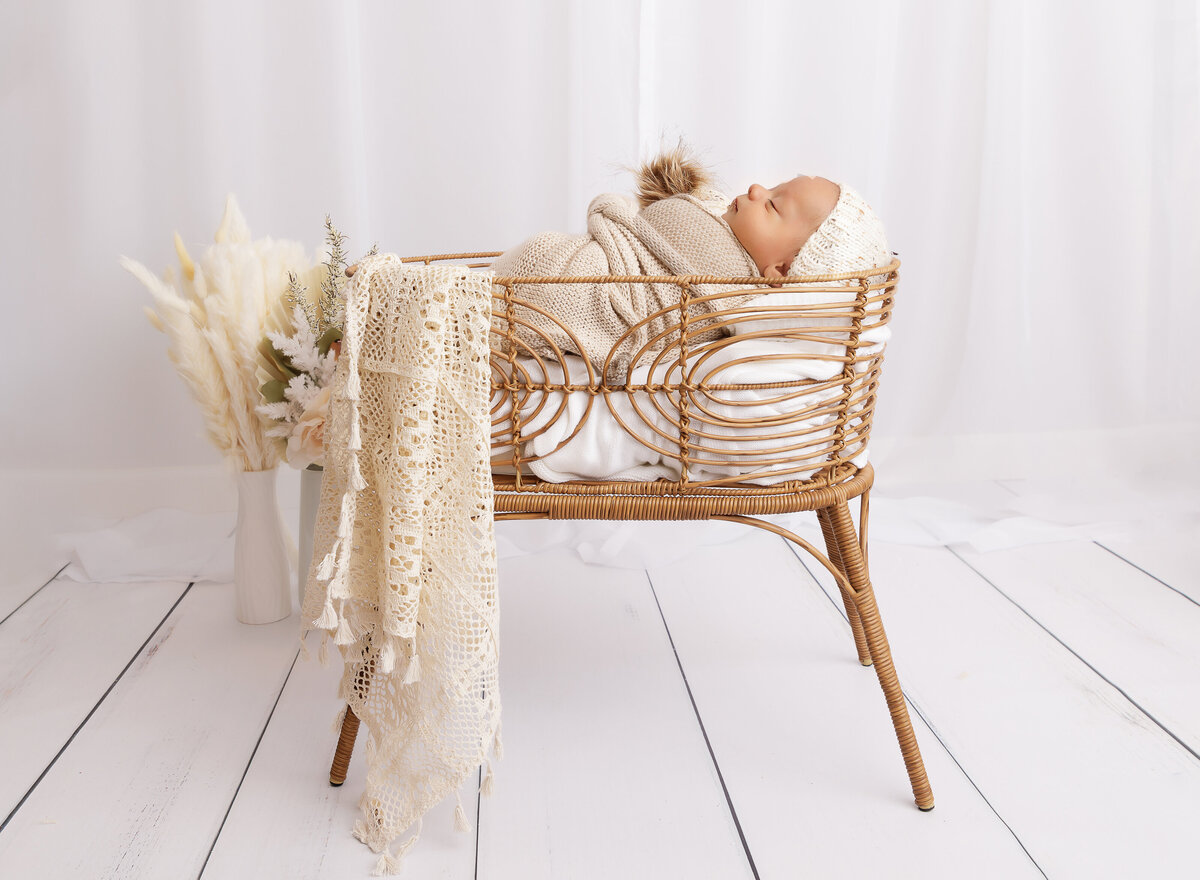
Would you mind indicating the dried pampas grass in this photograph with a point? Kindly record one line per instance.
(214, 320)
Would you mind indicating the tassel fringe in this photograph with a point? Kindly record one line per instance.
(388, 863)
(338, 720)
(328, 618)
(325, 572)
(323, 654)
(489, 782)
(344, 634)
(345, 529)
(413, 674)
(460, 816)
(356, 478)
(387, 657)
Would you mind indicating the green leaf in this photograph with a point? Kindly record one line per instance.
(272, 391)
(328, 338)
(277, 363)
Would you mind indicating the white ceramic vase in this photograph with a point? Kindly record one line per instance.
(261, 574)
(310, 500)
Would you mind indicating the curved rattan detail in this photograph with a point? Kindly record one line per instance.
(686, 405)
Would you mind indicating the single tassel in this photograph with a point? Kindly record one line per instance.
(339, 719)
(489, 784)
(413, 673)
(385, 865)
(460, 815)
(325, 572)
(355, 441)
(339, 584)
(387, 657)
(357, 483)
(305, 656)
(353, 387)
(391, 864)
(344, 635)
(323, 654)
(345, 529)
(498, 746)
(328, 618)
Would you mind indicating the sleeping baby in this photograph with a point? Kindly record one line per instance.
(680, 225)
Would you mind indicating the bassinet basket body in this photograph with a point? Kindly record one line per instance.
(680, 399)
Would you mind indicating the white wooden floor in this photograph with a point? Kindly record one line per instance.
(707, 720)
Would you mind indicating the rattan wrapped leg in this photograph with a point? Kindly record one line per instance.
(860, 639)
(855, 569)
(345, 747)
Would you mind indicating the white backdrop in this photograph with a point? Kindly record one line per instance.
(1034, 162)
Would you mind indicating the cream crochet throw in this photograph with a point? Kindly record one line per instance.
(404, 557)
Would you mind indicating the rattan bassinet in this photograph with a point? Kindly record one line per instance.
(806, 454)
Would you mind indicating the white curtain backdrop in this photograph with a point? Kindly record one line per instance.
(1035, 162)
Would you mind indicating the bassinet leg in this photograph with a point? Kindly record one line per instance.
(345, 747)
(851, 562)
(860, 639)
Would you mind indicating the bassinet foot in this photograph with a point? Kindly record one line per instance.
(345, 747)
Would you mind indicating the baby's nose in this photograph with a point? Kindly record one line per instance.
(755, 191)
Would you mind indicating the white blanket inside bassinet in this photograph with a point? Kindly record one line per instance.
(604, 450)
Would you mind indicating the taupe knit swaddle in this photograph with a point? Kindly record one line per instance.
(680, 235)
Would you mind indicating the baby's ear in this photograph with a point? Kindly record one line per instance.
(774, 272)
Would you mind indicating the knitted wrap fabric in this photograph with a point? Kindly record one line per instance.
(850, 238)
(679, 235)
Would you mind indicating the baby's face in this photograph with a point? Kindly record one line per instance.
(773, 224)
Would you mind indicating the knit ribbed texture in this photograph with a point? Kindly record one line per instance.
(851, 237)
(680, 235)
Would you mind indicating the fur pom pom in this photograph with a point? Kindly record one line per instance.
(670, 173)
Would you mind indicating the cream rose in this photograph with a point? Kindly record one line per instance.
(307, 444)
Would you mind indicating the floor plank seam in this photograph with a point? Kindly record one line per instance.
(696, 709)
(1146, 573)
(841, 612)
(249, 761)
(1195, 755)
(99, 702)
(478, 813)
(52, 579)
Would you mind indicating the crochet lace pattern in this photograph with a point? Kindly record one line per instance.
(405, 585)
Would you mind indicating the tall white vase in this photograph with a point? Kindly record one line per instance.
(261, 575)
(310, 500)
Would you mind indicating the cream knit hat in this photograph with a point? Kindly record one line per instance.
(850, 238)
